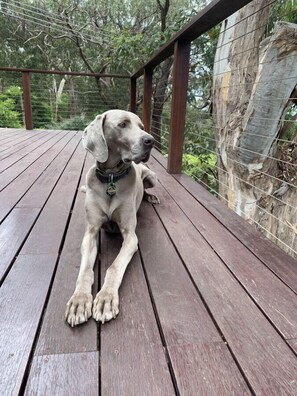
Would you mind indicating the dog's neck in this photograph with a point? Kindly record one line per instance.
(107, 167)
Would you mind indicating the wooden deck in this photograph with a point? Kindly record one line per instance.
(208, 306)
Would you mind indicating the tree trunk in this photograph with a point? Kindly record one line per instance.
(253, 81)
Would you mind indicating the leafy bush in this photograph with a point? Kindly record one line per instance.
(77, 123)
(10, 117)
(202, 169)
(41, 112)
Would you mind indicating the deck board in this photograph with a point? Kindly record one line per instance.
(207, 305)
(243, 325)
(131, 346)
(268, 291)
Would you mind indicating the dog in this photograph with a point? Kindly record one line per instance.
(114, 191)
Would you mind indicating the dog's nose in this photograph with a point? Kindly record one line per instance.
(148, 141)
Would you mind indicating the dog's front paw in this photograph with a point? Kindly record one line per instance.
(79, 308)
(106, 305)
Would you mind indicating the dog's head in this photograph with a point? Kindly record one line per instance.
(118, 133)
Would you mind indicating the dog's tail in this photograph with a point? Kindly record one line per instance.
(83, 189)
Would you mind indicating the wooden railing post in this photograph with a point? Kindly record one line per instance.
(147, 98)
(27, 100)
(178, 106)
(133, 85)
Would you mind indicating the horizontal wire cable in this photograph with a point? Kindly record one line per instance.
(245, 214)
(251, 185)
(254, 152)
(229, 188)
(57, 19)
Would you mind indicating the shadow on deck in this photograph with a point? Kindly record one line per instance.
(208, 305)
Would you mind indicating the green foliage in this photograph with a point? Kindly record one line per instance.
(202, 169)
(41, 112)
(282, 10)
(77, 123)
(9, 115)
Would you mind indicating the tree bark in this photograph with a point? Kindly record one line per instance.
(253, 81)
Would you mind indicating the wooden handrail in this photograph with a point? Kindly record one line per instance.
(210, 16)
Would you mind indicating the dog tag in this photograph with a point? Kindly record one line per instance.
(111, 189)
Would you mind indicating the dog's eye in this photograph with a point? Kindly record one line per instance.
(122, 125)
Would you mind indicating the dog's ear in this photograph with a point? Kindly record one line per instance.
(94, 141)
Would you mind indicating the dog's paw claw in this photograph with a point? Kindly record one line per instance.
(106, 306)
(79, 308)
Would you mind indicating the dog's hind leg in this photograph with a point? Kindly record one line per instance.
(151, 198)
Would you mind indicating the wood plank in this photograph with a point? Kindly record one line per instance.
(271, 294)
(5, 134)
(73, 374)
(46, 236)
(42, 188)
(22, 297)
(56, 336)
(139, 370)
(182, 313)
(16, 226)
(15, 134)
(204, 370)
(14, 192)
(183, 316)
(16, 148)
(15, 144)
(293, 344)
(268, 363)
(270, 254)
(13, 232)
(11, 159)
(7, 131)
(14, 171)
(131, 345)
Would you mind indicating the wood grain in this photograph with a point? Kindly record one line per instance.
(268, 363)
(22, 297)
(46, 236)
(275, 258)
(19, 167)
(36, 196)
(14, 192)
(273, 296)
(206, 369)
(182, 314)
(131, 345)
(56, 336)
(18, 155)
(185, 321)
(74, 374)
(13, 232)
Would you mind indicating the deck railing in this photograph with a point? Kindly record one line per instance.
(269, 207)
(48, 98)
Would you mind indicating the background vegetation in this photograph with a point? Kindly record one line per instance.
(109, 37)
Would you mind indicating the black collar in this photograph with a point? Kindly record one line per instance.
(111, 177)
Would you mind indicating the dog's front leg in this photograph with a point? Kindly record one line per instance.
(79, 307)
(106, 303)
